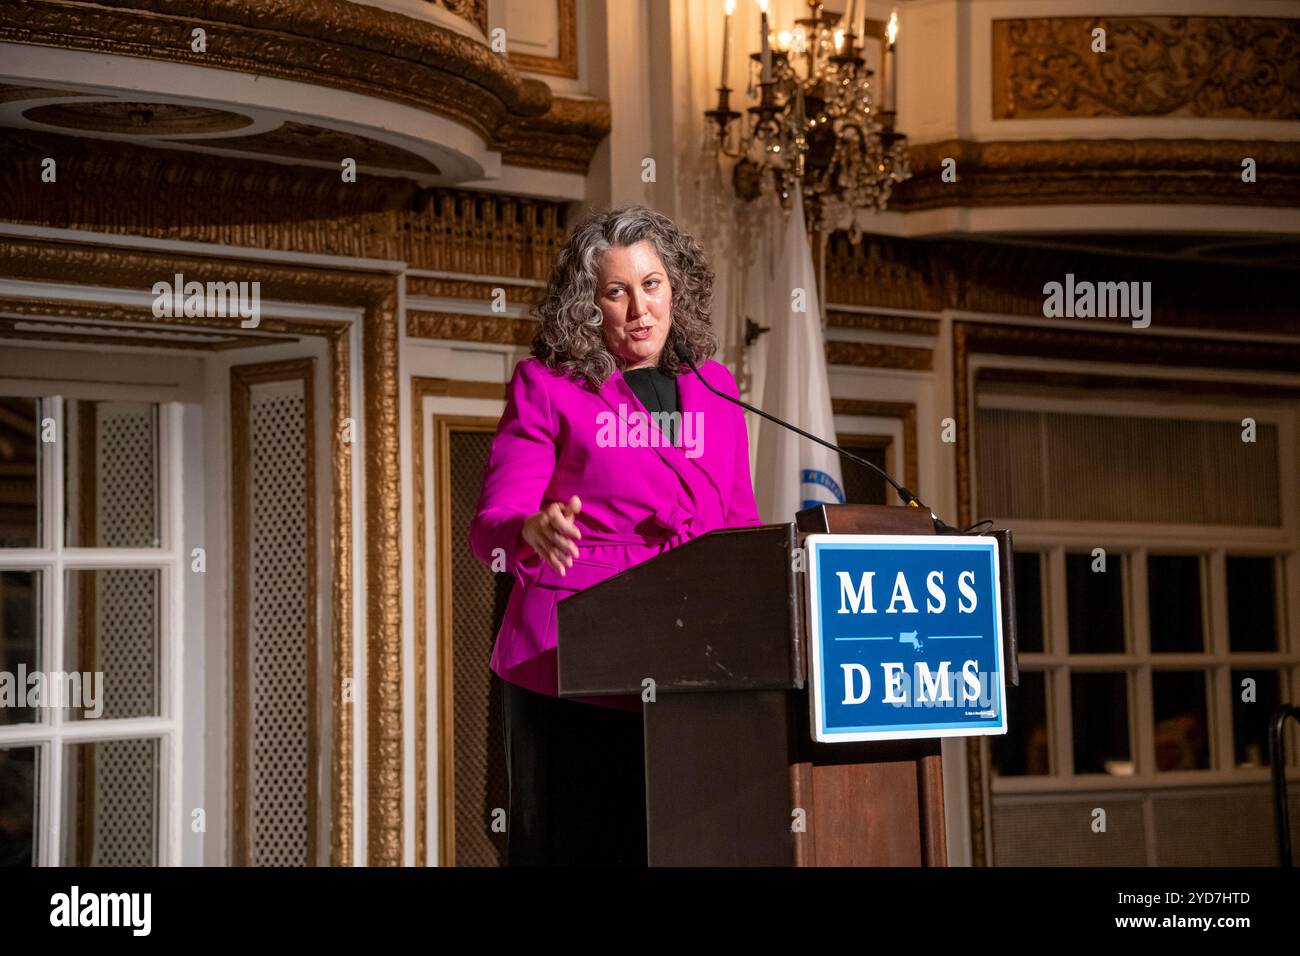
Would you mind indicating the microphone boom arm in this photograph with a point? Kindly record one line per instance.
(907, 497)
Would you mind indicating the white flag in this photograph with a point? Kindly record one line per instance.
(792, 472)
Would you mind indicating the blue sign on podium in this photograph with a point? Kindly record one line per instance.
(904, 636)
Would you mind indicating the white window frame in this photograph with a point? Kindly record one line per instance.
(1127, 547)
(51, 735)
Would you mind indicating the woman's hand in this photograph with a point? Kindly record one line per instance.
(552, 531)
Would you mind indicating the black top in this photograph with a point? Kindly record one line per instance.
(657, 392)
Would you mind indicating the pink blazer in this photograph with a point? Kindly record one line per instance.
(638, 500)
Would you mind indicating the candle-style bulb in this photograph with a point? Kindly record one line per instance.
(728, 8)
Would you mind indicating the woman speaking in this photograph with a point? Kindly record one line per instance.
(610, 451)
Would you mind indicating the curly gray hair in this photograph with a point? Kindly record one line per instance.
(571, 334)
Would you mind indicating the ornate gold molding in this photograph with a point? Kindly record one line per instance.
(470, 328)
(564, 138)
(383, 581)
(240, 202)
(334, 43)
(878, 322)
(85, 322)
(1002, 278)
(462, 388)
(1086, 171)
(418, 392)
(242, 378)
(1114, 385)
(248, 203)
(472, 289)
(478, 234)
(883, 273)
(475, 11)
(1239, 67)
(306, 141)
(459, 327)
(874, 355)
(127, 118)
(1131, 347)
(376, 295)
(565, 62)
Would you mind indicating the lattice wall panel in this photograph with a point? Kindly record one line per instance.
(1226, 827)
(111, 803)
(478, 604)
(123, 773)
(1060, 833)
(1233, 827)
(126, 602)
(278, 629)
(126, 472)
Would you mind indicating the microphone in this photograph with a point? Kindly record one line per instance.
(909, 499)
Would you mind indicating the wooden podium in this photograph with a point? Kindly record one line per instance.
(733, 777)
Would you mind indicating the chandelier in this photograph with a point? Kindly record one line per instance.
(816, 121)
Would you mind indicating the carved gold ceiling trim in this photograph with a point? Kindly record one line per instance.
(1090, 171)
(1005, 279)
(249, 203)
(376, 296)
(334, 43)
(134, 118)
(1222, 67)
(564, 138)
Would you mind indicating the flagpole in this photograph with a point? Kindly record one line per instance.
(822, 239)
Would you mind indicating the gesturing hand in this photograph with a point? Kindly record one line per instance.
(552, 531)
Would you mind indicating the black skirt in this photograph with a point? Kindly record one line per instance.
(577, 782)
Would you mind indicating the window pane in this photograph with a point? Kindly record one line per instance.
(1095, 602)
(17, 806)
(20, 486)
(111, 634)
(20, 645)
(862, 486)
(1023, 749)
(110, 817)
(1099, 708)
(1174, 601)
(1252, 604)
(1028, 570)
(1250, 717)
(1181, 720)
(111, 475)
